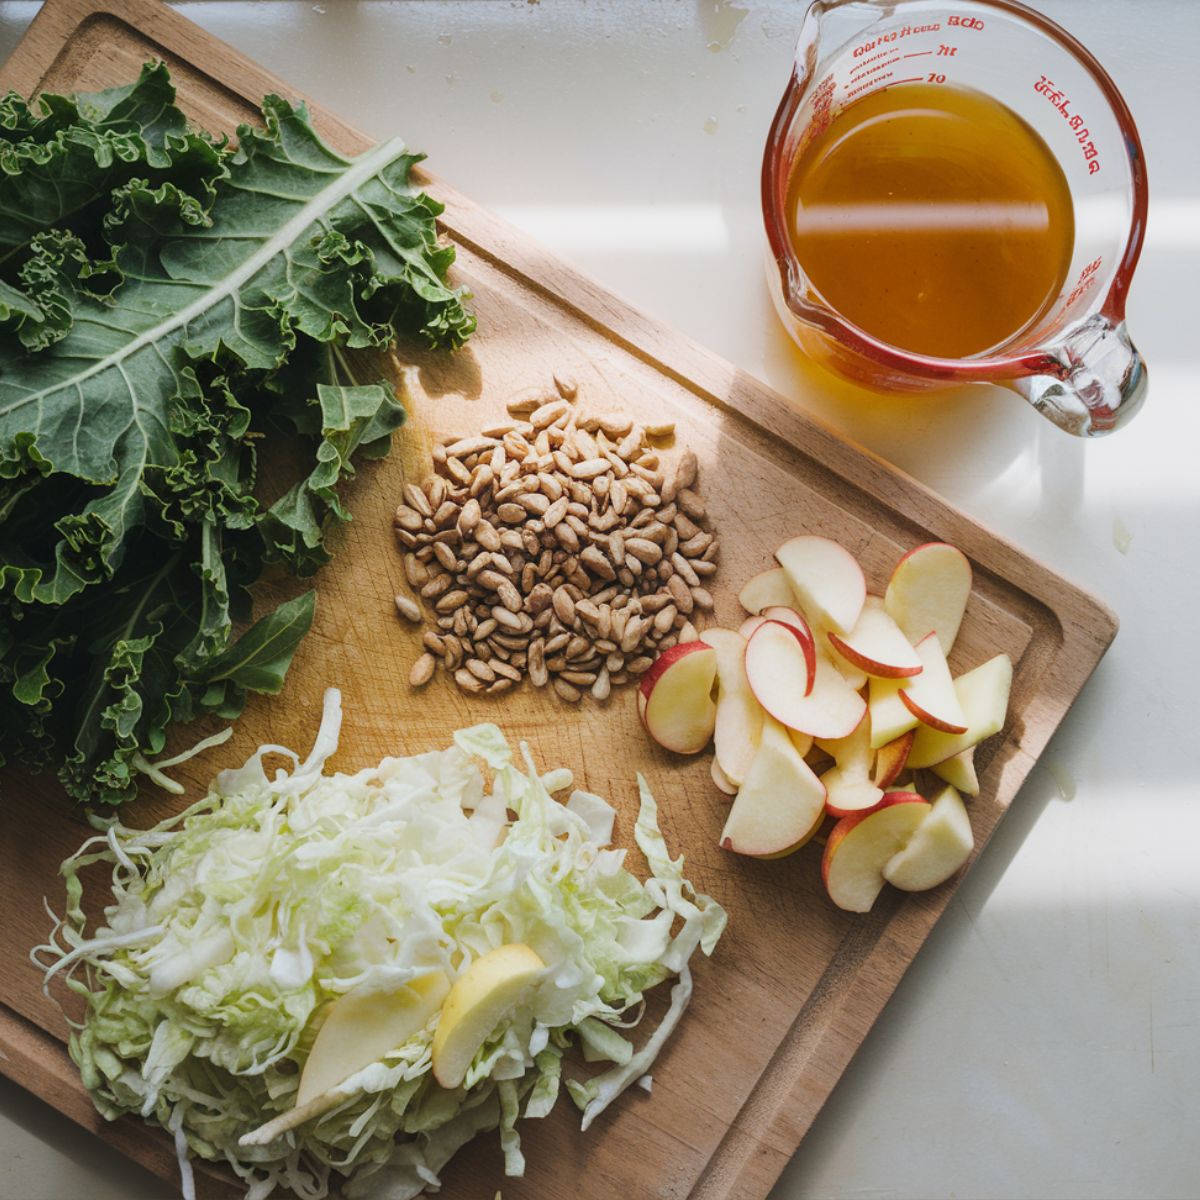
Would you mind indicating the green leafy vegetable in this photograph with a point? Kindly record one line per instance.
(237, 925)
(167, 300)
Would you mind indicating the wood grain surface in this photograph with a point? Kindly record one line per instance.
(796, 984)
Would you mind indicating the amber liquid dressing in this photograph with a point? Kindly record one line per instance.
(933, 218)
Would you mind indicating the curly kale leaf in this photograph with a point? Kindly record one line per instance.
(169, 305)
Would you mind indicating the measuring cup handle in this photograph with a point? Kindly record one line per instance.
(1102, 382)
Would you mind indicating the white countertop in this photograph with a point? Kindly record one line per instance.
(1046, 1043)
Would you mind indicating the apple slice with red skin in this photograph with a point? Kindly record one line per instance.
(890, 716)
(749, 625)
(928, 592)
(939, 846)
(826, 579)
(794, 620)
(777, 668)
(876, 645)
(675, 697)
(959, 771)
(930, 696)
(739, 720)
(781, 803)
(766, 590)
(983, 694)
(861, 845)
(848, 784)
(890, 759)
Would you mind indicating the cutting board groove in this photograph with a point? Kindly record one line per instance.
(797, 983)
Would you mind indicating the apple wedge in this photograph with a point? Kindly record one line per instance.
(928, 592)
(861, 845)
(930, 696)
(361, 1027)
(723, 782)
(777, 668)
(876, 645)
(891, 758)
(826, 579)
(488, 992)
(766, 590)
(937, 849)
(848, 784)
(847, 793)
(983, 695)
(739, 719)
(674, 697)
(960, 772)
(890, 716)
(781, 803)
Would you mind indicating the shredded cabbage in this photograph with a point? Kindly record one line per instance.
(236, 923)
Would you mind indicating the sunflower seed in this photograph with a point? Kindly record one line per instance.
(422, 671)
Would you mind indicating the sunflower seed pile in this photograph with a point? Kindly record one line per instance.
(558, 545)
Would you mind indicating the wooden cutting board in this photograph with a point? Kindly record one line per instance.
(796, 984)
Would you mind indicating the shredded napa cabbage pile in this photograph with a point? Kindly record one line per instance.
(234, 924)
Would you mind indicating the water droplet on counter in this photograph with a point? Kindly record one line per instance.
(495, 97)
(710, 126)
(1063, 779)
(444, 39)
(1121, 536)
(319, 9)
(721, 24)
(410, 68)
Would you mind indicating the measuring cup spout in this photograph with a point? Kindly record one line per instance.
(1099, 384)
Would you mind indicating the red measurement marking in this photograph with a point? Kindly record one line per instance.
(914, 79)
(916, 54)
(1058, 98)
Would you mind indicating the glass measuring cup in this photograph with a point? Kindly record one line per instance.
(1076, 365)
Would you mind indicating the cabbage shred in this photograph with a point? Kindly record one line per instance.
(236, 923)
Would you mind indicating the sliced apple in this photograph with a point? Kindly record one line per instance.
(937, 849)
(766, 590)
(487, 993)
(848, 784)
(723, 782)
(855, 678)
(738, 728)
(794, 620)
(890, 759)
(358, 1030)
(826, 580)
(675, 697)
(860, 846)
(802, 741)
(928, 592)
(960, 772)
(983, 695)
(780, 666)
(776, 666)
(846, 793)
(930, 696)
(876, 645)
(362, 1026)
(749, 625)
(890, 716)
(780, 805)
